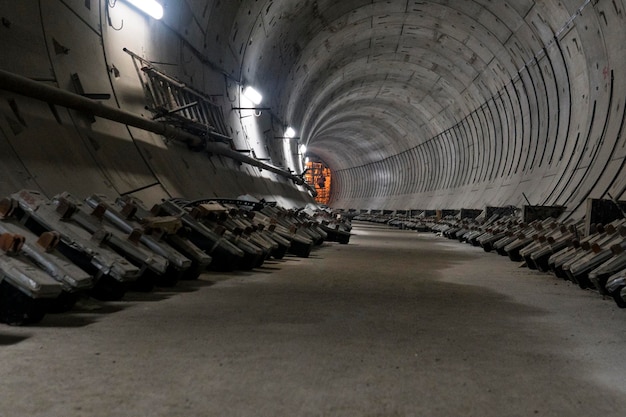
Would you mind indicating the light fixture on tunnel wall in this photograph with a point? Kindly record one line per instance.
(253, 95)
(290, 132)
(302, 149)
(255, 98)
(150, 7)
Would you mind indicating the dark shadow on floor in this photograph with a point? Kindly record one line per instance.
(10, 339)
(67, 320)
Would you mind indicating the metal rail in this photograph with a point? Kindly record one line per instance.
(41, 91)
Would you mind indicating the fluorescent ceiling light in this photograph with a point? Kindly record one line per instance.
(303, 149)
(289, 132)
(253, 95)
(150, 7)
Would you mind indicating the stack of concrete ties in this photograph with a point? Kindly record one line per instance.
(164, 229)
(88, 250)
(596, 261)
(25, 290)
(42, 251)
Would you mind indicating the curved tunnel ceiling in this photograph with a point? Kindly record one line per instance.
(445, 103)
(434, 104)
(382, 49)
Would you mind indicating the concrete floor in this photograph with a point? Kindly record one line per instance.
(394, 324)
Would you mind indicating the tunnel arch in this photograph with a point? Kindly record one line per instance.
(510, 109)
(413, 104)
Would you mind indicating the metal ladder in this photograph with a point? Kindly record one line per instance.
(174, 102)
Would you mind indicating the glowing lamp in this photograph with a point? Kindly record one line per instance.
(252, 95)
(150, 7)
(290, 133)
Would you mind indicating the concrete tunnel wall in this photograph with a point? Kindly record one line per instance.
(538, 110)
(412, 104)
(53, 149)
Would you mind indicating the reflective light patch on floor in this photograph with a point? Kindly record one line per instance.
(397, 323)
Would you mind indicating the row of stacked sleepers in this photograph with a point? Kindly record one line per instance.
(594, 261)
(55, 251)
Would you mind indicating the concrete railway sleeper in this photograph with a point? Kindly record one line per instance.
(42, 251)
(56, 251)
(112, 273)
(169, 230)
(177, 264)
(590, 255)
(25, 290)
(152, 266)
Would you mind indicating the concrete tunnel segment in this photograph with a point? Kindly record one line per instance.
(412, 104)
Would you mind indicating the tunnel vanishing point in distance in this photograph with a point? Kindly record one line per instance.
(436, 104)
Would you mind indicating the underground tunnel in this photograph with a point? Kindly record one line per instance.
(410, 105)
(214, 136)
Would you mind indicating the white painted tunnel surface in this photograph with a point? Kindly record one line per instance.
(412, 104)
